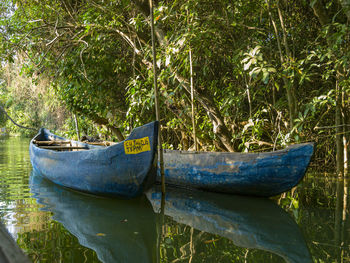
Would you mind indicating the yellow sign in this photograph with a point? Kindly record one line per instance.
(137, 146)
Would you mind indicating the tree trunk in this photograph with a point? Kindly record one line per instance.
(207, 102)
(102, 121)
(185, 121)
(320, 12)
(184, 141)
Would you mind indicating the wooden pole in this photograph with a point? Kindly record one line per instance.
(338, 130)
(76, 126)
(192, 104)
(156, 95)
(345, 130)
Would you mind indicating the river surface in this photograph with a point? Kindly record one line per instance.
(53, 224)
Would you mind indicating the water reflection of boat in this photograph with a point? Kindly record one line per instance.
(248, 221)
(111, 227)
(125, 230)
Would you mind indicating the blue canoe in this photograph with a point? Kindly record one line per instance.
(259, 174)
(125, 169)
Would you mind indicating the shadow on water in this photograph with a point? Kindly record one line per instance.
(117, 230)
(126, 230)
(249, 222)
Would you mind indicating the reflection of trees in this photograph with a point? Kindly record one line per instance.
(28, 217)
(54, 244)
(320, 208)
(15, 168)
(37, 234)
(182, 243)
(14, 193)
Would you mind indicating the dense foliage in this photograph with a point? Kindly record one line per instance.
(266, 73)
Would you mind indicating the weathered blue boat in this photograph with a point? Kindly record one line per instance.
(125, 169)
(259, 174)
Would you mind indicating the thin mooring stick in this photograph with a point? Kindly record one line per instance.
(160, 148)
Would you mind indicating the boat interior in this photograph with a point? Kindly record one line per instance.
(59, 145)
(68, 145)
(50, 141)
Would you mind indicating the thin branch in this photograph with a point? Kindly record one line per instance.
(67, 9)
(57, 35)
(332, 127)
(20, 126)
(252, 27)
(81, 57)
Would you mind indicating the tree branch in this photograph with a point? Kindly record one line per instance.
(18, 125)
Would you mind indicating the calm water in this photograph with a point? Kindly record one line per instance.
(52, 224)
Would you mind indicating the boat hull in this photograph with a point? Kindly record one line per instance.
(98, 170)
(259, 174)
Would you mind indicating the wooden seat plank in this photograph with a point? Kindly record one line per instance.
(51, 142)
(55, 147)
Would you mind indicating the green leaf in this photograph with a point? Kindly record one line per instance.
(277, 86)
(256, 50)
(254, 72)
(247, 65)
(266, 77)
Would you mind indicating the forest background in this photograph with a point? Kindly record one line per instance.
(265, 73)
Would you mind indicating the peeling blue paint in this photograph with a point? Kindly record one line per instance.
(99, 170)
(259, 174)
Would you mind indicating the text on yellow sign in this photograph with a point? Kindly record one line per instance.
(137, 146)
